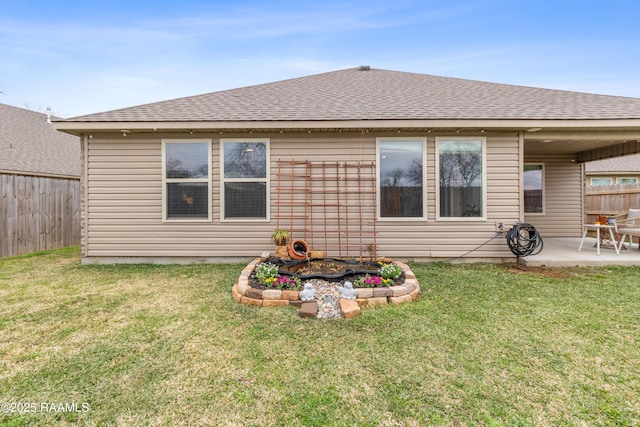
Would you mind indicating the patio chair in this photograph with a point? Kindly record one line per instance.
(629, 226)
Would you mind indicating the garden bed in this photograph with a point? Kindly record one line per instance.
(248, 290)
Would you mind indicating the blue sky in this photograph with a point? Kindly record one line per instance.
(81, 57)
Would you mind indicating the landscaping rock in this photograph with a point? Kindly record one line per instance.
(253, 293)
(328, 297)
(308, 309)
(398, 291)
(377, 301)
(251, 301)
(365, 292)
(235, 294)
(290, 295)
(271, 294)
(400, 299)
(410, 284)
(350, 308)
(243, 287)
(382, 292)
(275, 302)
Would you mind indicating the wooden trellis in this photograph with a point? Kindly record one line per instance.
(330, 205)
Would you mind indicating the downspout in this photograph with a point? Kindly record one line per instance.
(521, 177)
(84, 165)
(583, 189)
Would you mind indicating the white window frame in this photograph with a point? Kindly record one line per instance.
(599, 177)
(266, 179)
(423, 140)
(544, 192)
(618, 179)
(166, 180)
(483, 141)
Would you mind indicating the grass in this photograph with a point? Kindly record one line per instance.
(166, 345)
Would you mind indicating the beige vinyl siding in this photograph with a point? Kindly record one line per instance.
(124, 205)
(562, 197)
(454, 238)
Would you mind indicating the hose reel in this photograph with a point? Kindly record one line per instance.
(523, 240)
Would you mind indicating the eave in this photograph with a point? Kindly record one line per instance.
(78, 128)
(588, 139)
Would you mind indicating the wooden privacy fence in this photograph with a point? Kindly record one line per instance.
(610, 200)
(38, 213)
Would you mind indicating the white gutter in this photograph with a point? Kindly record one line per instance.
(346, 124)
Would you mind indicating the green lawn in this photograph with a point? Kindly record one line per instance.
(167, 345)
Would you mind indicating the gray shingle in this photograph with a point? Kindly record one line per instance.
(378, 95)
(629, 163)
(36, 147)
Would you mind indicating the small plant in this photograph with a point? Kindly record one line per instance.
(390, 271)
(288, 282)
(280, 237)
(373, 250)
(267, 274)
(372, 282)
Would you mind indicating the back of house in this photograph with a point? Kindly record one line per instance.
(416, 166)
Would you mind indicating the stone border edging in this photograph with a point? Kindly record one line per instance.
(245, 294)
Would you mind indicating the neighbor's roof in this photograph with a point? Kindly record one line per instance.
(376, 94)
(623, 164)
(29, 144)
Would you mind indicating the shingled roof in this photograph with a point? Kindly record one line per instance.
(374, 94)
(30, 145)
(623, 164)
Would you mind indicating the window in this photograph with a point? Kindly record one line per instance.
(626, 180)
(461, 188)
(401, 177)
(245, 169)
(600, 181)
(186, 171)
(533, 188)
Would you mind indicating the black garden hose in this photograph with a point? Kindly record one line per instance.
(524, 240)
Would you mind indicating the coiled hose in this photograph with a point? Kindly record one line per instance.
(524, 240)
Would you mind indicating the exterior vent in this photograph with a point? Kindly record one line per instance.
(365, 68)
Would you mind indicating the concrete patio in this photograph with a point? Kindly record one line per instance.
(563, 252)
